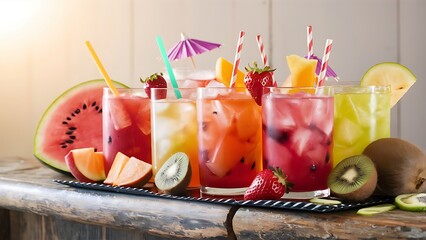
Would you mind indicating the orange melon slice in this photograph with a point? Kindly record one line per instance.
(302, 71)
(90, 163)
(135, 173)
(224, 73)
(119, 161)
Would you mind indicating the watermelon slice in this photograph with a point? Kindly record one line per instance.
(72, 121)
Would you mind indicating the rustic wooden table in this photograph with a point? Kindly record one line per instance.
(32, 206)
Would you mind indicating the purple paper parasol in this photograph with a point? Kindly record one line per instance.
(329, 73)
(189, 47)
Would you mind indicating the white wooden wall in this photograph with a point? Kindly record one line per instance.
(42, 51)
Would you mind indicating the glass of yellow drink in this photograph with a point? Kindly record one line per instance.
(361, 116)
(174, 128)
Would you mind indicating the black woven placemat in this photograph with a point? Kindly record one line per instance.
(275, 204)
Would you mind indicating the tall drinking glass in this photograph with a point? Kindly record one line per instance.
(362, 115)
(174, 128)
(298, 136)
(126, 124)
(229, 140)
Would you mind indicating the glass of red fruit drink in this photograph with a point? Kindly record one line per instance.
(126, 122)
(297, 136)
(229, 140)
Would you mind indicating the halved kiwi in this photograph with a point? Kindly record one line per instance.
(415, 202)
(175, 174)
(368, 211)
(353, 179)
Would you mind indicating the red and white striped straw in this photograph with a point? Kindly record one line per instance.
(237, 59)
(310, 41)
(324, 65)
(262, 50)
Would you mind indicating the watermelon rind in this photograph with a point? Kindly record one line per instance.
(41, 139)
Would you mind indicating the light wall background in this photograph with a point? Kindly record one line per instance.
(42, 51)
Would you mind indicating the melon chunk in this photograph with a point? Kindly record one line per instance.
(229, 153)
(224, 73)
(302, 71)
(119, 115)
(119, 161)
(135, 173)
(86, 165)
(128, 171)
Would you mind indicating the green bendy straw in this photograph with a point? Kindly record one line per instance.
(168, 66)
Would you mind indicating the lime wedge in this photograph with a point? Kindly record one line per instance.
(415, 202)
(399, 77)
(368, 211)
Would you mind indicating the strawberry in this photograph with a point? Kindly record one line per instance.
(269, 184)
(156, 80)
(256, 79)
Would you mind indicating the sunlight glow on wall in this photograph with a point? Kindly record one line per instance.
(15, 15)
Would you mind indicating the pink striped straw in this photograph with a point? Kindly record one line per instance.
(237, 59)
(310, 41)
(262, 50)
(263, 54)
(325, 57)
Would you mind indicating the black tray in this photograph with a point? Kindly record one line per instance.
(275, 204)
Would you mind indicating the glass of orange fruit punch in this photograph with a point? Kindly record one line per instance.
(229, 137)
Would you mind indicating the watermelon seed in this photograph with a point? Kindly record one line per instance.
(63, 146)
(68, 118)
(84, 106)
(72, 137)
(64, 122)
(77, 111)
(69, 141)
(72, 128)
(97, 108)
(242, 160)
(100, 111)
(327, 157)
(72, 114)
(253, 165)
(69, 133)
(94, 103)
(313, 167)
(109, 139)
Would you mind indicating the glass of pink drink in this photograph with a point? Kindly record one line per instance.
(229, 140)
(297, 136)
(126, 125)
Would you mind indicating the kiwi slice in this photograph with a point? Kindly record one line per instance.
(325, 201)
(353, 179)
(368, 211)
(175, 174)
(415, 202)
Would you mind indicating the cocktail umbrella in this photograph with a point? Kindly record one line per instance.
(329, 73)
(189, 47)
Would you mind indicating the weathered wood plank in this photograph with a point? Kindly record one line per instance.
(31, 189)
(4, 224)
(271, 224)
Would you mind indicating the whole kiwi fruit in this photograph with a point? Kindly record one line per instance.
(401, 166)
(353, 179)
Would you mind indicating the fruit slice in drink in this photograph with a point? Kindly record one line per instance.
(399, 77)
